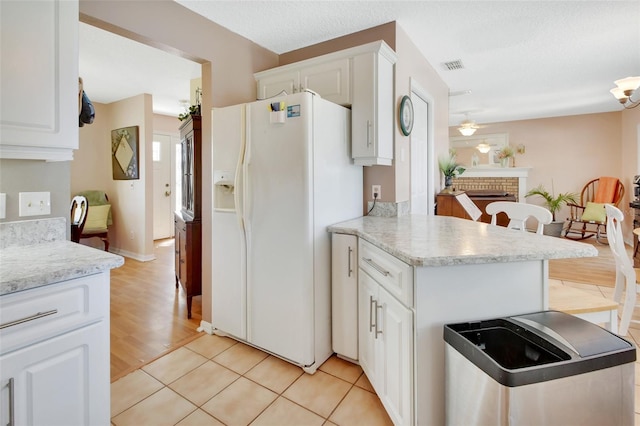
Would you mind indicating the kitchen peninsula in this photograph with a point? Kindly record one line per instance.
(54, 325)
(417, 273)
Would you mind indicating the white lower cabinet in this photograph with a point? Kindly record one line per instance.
(386, 347)
(54, 355)
(53, 383)
(344, 295)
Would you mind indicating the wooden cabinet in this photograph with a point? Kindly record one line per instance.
(344, 295)
(188, 225)
(188, 262)
(372, 111)
(385, 337)
(39, 72)
(361, 77)
(54, 362)
(447, 205)
(330, 80)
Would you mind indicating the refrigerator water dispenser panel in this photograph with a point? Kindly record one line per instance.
(223, 190)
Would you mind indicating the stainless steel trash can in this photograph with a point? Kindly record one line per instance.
(545, 368)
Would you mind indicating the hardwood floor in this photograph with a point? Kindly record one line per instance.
(598, 270)
(148, 313)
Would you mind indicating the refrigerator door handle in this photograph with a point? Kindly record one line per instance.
(246, 162)
(239, 182)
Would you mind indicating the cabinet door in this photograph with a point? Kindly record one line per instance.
(188, 174)
(344, 294)
(395, 322)
(39, 73)
(372, 112)
(367, 298)
(330, 80)
(60, 381)
(273, 85)
(177, 247)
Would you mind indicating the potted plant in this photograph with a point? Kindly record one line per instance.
(193, 110)
(554, 204)
(449, 169)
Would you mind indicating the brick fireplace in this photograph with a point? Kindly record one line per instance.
(508, 179)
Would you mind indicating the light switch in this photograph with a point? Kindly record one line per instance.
(3, 205)
(34, 203)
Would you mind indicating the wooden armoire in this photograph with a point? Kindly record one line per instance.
(188, 222)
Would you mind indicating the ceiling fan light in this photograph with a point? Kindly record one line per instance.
(466, 131)
(467, 127)
(628, 84)
(483, 147)
(619, 94)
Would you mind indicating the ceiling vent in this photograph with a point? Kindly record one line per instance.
(453, 65)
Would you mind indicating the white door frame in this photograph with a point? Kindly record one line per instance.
(418, 91)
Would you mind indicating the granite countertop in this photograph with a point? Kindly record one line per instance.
(31, 266)
(36, 253)
(421, 240)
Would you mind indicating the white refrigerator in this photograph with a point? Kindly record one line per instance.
(282, 173)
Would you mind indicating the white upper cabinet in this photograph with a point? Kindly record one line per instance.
(360, 77)
(39, 79)
(330, 80)
(372, 110)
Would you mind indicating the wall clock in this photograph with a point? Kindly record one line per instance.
(406, 115)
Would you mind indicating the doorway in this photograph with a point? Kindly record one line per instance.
(164, 187)
(422, 153)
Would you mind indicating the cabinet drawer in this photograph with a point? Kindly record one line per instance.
(33, 315)
(390, 272)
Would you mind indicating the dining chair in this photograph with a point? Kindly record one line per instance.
(79, 207)
(585, 305)
(98, 217)
(518, 213)
(626, 274)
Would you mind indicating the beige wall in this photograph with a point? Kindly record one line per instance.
(569, 151)
(166, 124)
(132, 231)
(35, 176)
(411, 65)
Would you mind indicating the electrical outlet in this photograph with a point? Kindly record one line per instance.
(34, 203)
(376, 191)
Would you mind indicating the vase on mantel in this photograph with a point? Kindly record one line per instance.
(504, 162)
(448, 184)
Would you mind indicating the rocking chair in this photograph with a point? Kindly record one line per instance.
(590, 218)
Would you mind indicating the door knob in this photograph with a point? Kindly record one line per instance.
(167, 193)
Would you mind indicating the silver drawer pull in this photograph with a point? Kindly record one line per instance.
(12, 416)
(371, 313)
(349, 262)
(378, 330)
(377, 267)
(27, 319)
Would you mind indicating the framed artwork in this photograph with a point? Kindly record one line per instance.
(124, 153)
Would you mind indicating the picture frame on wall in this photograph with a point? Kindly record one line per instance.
(125, 153)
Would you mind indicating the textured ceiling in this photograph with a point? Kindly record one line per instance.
(522, 59)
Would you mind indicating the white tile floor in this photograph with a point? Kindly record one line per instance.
(217, 381)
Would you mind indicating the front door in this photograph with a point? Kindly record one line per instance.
(163, 187)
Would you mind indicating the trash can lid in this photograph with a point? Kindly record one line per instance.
(537, 347)
(583, 337)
